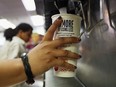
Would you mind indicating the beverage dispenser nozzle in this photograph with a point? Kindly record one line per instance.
(73, 6)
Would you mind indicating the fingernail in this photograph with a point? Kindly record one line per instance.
(59, 17)
(75, 67)
(79, 39)
(80, 56)
(56, 68)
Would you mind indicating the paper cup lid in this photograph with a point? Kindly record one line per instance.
(76, 16)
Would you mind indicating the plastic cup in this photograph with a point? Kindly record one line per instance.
(70, 27)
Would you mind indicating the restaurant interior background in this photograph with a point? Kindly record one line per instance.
(97, 67)
(14, 12)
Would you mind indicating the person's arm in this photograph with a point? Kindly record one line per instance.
(14, 50)
(41, 58)
(11, 72)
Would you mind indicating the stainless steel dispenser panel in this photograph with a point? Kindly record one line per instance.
(97, 68)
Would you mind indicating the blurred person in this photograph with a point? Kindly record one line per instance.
(8, 34)
(18, 39)
(22, 35)
(40, 59)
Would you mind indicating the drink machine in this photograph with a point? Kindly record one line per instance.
(97, 67)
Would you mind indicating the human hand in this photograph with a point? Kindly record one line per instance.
(46, 55)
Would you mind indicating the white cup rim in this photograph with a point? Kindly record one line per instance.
(64, 14)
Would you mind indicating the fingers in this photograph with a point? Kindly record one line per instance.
(49, 35)
(64, 40)
(65, 54)
(62, 63)
(69, 66)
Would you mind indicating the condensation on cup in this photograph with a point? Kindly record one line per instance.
(70, 27)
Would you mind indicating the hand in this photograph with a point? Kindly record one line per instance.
(46, 55)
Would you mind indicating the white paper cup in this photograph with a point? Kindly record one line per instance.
(69, 28)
